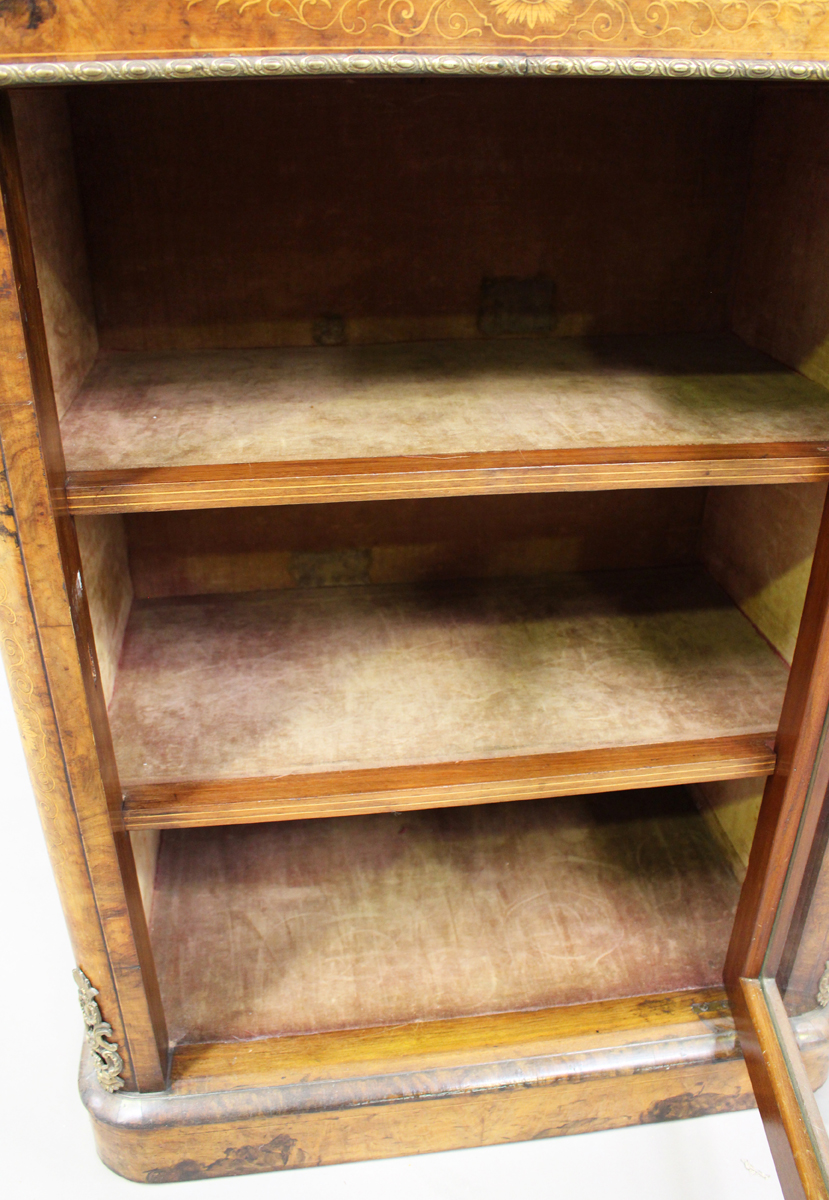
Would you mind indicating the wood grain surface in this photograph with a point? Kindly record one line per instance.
(303, 1101)
(684, 1018)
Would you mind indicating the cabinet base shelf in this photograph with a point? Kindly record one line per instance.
(272, 1104)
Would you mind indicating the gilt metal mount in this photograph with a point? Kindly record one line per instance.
(108, 1062)
(823, 988)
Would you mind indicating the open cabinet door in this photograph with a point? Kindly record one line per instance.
(786, 1015)
(785, 1022)
(783, 1087)
(777, 971)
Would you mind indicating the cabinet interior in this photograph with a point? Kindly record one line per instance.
(278, 280)
(392, 918)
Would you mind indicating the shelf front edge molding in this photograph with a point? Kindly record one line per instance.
(177, 805)
(232, 485)
(29, 72)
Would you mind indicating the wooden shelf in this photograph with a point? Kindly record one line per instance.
(305, 927)
(269, 706)
(312, 424)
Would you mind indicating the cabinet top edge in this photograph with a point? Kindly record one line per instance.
(37, 72)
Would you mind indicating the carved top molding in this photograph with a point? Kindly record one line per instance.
(309, 65)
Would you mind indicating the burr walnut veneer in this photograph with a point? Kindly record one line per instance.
(414, 575)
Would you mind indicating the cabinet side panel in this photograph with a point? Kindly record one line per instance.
(103, 548)
(41, 741)
(758, 543)
(47, 163)
(781, 295)
(146, 844)
(54, 584)
(102, 545)
(730, 808)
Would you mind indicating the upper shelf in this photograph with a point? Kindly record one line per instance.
(283, 426)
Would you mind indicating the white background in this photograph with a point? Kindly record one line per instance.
(47, 1142)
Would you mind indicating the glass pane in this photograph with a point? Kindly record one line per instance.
(802, 977)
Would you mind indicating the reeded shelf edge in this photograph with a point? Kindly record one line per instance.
(242, 485)
(179, 805)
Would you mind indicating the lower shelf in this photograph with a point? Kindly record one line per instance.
(271, 940)
(306, 926)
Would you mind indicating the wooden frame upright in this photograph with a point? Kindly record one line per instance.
(224, 1109)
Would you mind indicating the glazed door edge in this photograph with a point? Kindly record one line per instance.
(785, 897)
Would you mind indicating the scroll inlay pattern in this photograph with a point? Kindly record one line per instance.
(589, 22)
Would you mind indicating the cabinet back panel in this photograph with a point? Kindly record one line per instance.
(237, 215)
(399, 541)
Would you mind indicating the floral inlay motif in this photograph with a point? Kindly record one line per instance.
(531, 12)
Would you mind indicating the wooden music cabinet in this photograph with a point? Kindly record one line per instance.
(415, 575)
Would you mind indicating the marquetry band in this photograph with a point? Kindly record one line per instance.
(108, 1062)
(309, 65)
